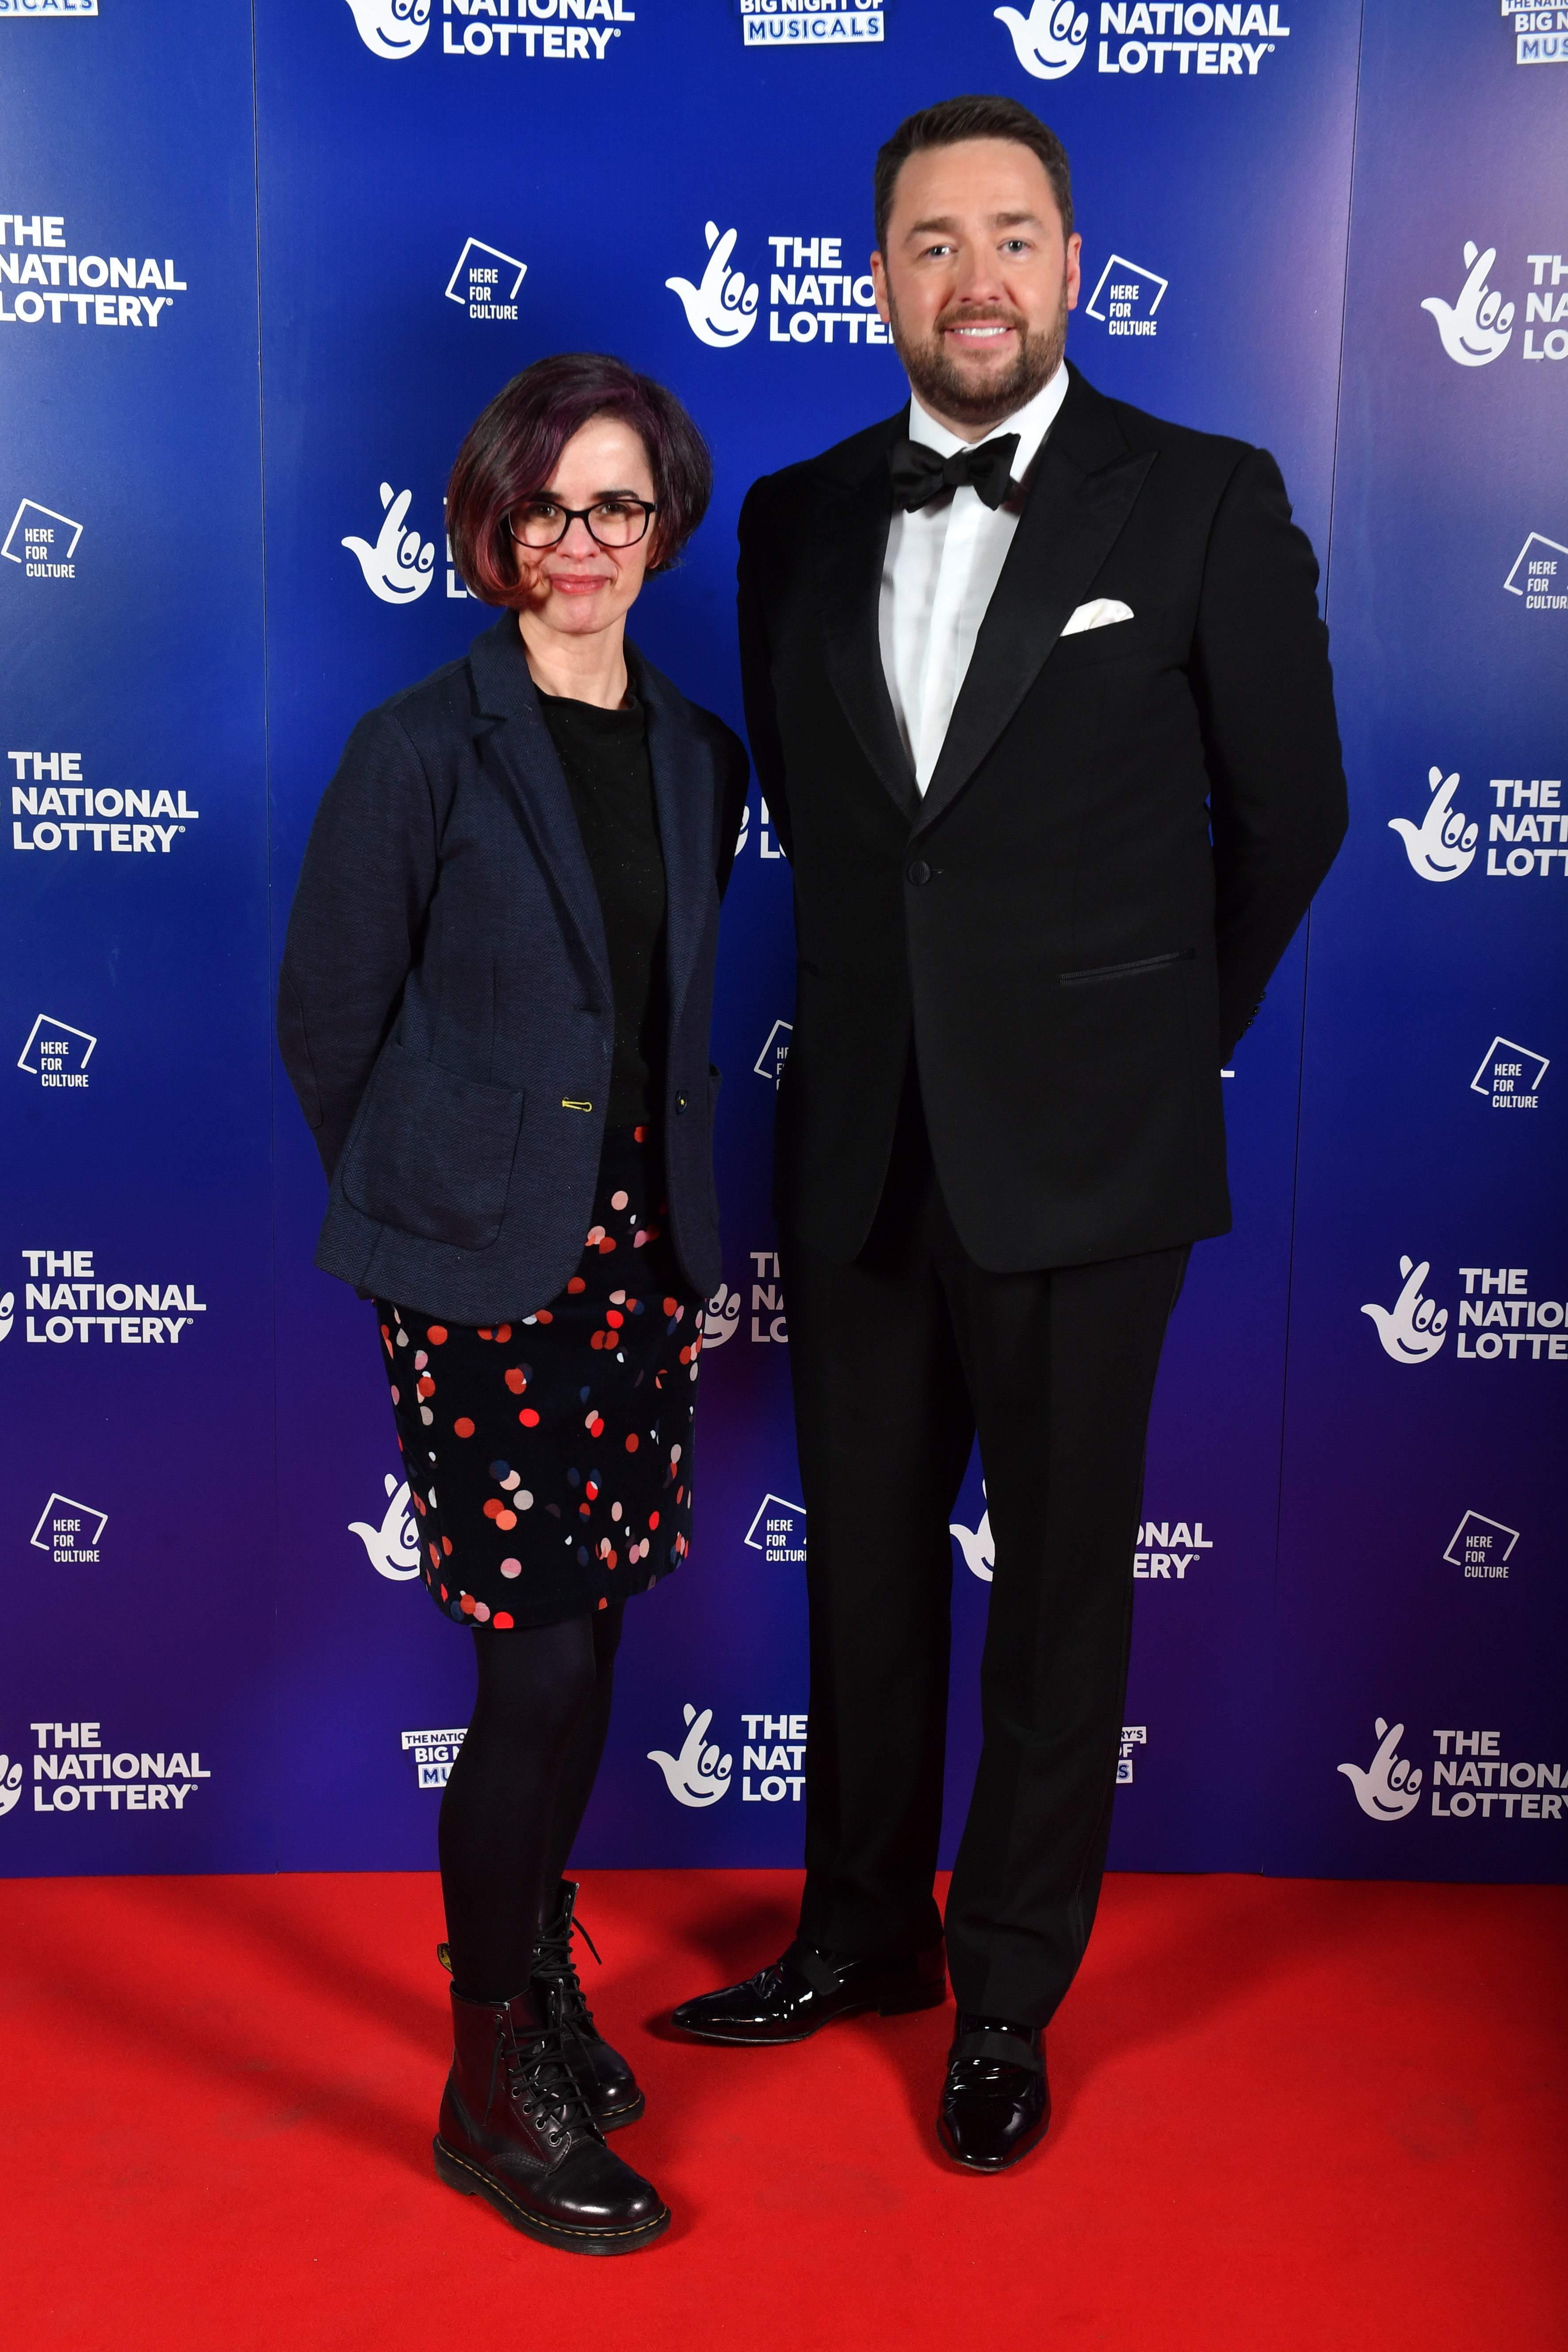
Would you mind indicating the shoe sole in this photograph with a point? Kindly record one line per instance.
(927, 1998)
(470, 2180)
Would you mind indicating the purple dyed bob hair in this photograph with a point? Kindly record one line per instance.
(513, 447)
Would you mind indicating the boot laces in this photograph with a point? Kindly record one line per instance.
(555, 1963)
(540, 2074)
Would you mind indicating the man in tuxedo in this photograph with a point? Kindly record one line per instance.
(1040, 699)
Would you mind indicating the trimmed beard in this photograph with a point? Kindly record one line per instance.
(944, 389)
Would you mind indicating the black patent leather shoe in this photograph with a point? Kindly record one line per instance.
(607, 2085)
(807, 1988)
(996, 2101)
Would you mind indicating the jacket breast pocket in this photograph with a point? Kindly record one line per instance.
(432, 1153)
(1141, 637)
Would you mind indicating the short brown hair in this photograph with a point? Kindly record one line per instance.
(957, 118)
(513, 447)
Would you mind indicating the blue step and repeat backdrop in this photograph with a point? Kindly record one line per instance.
(259, 270)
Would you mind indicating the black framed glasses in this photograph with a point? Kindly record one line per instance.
(613, 523)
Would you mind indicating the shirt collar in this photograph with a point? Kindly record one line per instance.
(1032, 422)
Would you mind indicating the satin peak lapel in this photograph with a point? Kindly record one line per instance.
(1070, 520)
(521, 750)
(849, 577)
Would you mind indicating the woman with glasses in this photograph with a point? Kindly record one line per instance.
(494, 1007)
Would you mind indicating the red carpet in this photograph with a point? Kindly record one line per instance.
(1288, 2115)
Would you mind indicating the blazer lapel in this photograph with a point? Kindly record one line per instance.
(684, 802)
(849, 580)
(1084, 484)
(521, 750)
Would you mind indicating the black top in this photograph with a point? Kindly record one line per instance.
(605, 756)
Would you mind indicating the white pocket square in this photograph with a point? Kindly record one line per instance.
(1098, 613)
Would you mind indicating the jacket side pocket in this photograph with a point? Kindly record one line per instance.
(432, 1153)
(1125, 970)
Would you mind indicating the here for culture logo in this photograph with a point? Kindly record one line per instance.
(43, 541)
(57, 1053)
(1126, 298)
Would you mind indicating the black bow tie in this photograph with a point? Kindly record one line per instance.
(920, 475)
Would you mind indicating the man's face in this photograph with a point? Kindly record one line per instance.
(977, 280)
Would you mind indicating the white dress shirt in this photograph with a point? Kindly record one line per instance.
(942, 566)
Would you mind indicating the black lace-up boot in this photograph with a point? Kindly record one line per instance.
(605, 2080)
(515, 2129)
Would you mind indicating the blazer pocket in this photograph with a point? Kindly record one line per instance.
(1114, 641)
(1124, 971)
(432, 1153)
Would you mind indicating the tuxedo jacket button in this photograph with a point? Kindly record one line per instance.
(919, 872)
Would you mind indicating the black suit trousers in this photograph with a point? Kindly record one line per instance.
(899, 1360)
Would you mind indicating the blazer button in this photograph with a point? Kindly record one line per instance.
(920, 872)
(680, 1102)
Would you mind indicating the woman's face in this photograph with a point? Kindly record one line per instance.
(576, 587)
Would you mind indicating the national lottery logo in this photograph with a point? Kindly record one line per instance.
(1476, 327)
(1442, 846)
(1052, 38)
(721, 306)
(392, 1547)
(697, 1775)
(1386, 1789)
(1500, 1319)
(1527, 830)
(392, 28)
(397, 564)
(721, 1316)
(1413, 1329)
(1470, 1779)
(74, 1771)
(50, 787)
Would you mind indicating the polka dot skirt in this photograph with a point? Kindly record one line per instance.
(549, 1458)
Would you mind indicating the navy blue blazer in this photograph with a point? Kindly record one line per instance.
(444, 1006)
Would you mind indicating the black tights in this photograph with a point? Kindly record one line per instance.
(518, 1789)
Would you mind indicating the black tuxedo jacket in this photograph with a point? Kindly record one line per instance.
(1077, 921)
